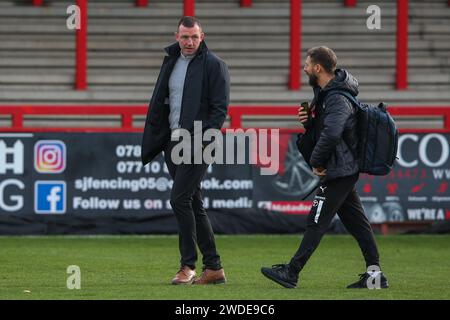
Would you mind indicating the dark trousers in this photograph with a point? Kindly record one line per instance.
(336, 196)
(193, 223)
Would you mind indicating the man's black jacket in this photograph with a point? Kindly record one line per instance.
(206, 96)
(334, 126)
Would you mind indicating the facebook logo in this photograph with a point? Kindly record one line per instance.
(50, 197)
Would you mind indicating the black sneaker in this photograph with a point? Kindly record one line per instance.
(281, 274)
(362, 282)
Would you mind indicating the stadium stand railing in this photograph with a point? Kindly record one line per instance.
(128, 118)
(294, 82)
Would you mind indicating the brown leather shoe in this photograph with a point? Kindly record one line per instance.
(184, 276)
(210, 276)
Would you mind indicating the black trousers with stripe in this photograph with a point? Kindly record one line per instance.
(336, 196)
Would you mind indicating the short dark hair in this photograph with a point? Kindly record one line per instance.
(324, 56)
(189, 22)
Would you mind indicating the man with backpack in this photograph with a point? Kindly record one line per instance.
(332, 127)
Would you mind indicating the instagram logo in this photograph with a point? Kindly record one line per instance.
(50, 156)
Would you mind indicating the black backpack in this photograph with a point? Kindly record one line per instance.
(378, 136)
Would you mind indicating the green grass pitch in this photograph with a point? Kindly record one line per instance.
(141, 267)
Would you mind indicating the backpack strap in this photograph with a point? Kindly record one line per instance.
(355, 102)
(346, 94)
